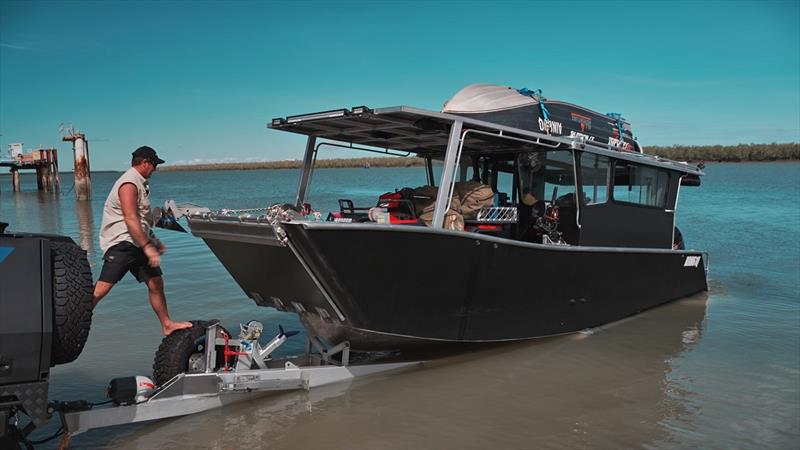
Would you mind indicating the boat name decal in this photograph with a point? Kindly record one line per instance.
(691, 261)
(549, 126)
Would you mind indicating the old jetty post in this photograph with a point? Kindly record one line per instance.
(15, 179)
(43, 160)
(80, 149)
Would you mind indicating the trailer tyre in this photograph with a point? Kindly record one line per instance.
(72, 301)
(172, 356)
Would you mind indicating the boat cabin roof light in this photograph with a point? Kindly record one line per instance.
(360, 110)
(426, 133)
(316, 116)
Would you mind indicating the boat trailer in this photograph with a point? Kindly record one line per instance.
(210, 385)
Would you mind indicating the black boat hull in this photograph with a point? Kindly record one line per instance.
(392, 287)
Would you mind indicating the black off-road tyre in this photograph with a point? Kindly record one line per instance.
(72, 301)
(172, 356)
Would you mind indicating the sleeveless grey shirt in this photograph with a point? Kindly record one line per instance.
(113, 229)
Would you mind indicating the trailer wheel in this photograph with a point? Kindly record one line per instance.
(176, 350)
(72, 301)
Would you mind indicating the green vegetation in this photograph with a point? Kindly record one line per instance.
(729, 153)
(717, 153)
(294, 164)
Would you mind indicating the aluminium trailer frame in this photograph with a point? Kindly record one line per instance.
(190, 393)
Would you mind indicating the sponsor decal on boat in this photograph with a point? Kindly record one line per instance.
(584, 122)
(583, 136)
(618, 143)
(691, 261)
(549, 126)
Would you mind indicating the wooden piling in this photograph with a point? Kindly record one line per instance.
(80, 148)
(15, 179)
(55, 171)
(41, 180)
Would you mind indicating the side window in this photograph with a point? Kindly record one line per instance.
(640, 185)
(594, 178)
(559, 173)
(505, 183)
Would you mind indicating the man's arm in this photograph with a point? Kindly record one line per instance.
(128, 195)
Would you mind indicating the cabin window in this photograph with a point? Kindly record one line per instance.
(594, 178)
(505, 182)
(559, 173)
(640, 185)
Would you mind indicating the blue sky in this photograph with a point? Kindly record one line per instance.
(199, 81)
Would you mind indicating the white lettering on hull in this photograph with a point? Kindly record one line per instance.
(549, 126)
(585, 137)
(691, 261)
(618, 143)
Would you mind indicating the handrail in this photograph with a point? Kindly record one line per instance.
(512, 138)
(350, 146)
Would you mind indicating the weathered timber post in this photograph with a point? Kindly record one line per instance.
(15, 179)
(55, 171)
(80, 148)
(40, 165)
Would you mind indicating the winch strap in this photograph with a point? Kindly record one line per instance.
(536, 95)
(545, 113)
(618, 118)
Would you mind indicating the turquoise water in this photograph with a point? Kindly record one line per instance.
(715, 371)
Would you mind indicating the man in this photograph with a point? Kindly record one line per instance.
(127, 239)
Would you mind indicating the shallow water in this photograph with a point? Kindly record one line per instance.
(718, 370)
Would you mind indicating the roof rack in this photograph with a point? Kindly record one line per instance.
(426, 133)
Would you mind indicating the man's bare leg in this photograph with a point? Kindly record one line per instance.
(101, 289)
(155, 290)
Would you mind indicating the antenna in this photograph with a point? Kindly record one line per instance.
(66, 129)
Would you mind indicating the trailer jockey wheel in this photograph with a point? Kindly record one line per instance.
(181, 351)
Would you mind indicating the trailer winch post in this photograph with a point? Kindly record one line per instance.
(211, 348)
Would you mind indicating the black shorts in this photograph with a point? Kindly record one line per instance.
(126, 257)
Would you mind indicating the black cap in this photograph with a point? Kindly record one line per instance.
(149, 154)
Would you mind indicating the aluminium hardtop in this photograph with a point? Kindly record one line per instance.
(426, 134)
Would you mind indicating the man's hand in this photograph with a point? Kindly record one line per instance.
(153, 255)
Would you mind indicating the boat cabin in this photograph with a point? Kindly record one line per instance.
(490, 178)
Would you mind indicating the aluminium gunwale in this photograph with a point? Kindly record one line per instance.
(196, 220)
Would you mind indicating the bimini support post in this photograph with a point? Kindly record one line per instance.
(448, 172)
(305, 175)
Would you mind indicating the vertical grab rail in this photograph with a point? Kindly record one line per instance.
(308, 162)
(448, 169)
